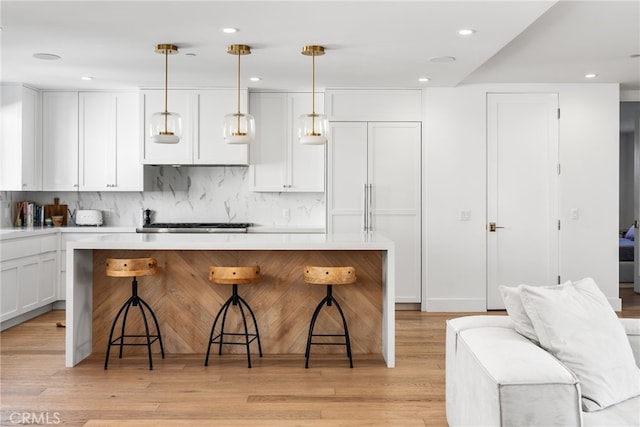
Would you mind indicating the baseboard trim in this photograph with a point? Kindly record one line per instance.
(456, 305)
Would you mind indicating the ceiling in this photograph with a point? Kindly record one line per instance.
(368, 43)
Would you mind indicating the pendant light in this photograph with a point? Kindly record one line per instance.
(165, 127)
(238, 128)
(312, 128)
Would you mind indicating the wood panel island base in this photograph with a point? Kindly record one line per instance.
(185, 302)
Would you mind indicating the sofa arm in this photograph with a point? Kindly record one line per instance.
(496, 377)
(632, 329)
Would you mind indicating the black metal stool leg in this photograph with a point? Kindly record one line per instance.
(236, 300)
(134, 301)
(328, 300)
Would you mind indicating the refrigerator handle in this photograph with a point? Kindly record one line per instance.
(370, 208)
(365, 207)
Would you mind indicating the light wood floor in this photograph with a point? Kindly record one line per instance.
(277, 391)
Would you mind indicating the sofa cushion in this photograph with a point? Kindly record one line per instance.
(576, 324)
(518, 315)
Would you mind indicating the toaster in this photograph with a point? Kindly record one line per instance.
(88, 217)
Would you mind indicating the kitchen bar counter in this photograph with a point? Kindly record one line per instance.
(186, 300)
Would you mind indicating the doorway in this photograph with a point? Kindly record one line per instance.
(522, 192)
(629, 192)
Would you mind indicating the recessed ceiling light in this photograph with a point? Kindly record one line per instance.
(190, 54)
(466, 31)
(86, 78)
(255, 79)
(635, 55)
(442, 59)
(229, 30)
(46, 56)
(424, 79)
(590, 76)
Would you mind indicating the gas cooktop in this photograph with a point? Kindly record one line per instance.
(194, 227)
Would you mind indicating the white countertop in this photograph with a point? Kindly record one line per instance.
(19, 232)
(240, 241)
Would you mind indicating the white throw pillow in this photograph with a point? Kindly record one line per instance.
(578, 326)
(518, 315)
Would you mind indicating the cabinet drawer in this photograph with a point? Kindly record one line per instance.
(49, 243)
(18, 248)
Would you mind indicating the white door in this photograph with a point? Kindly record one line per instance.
(522, 192)
(636, 204)
(60, 141)
(346, 177)
(374, 179)
(394, 179)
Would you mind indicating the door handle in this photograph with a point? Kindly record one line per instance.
(365, 208)
(493, 227)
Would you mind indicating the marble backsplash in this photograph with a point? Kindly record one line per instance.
(210, 194)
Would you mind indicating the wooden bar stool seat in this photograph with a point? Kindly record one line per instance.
(234, 276)
(134, 268)
(328, 276)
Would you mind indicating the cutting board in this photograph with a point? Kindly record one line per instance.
(56, 210)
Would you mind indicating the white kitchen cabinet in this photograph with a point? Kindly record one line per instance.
(109, 151)
(373, 180)
(28, 269)
(21, 145)
(60, 141)
(202, 113)
(359, 105)
(279, 163)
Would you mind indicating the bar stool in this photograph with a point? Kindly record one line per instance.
(234, 276)
(133, 267)
(328, 276)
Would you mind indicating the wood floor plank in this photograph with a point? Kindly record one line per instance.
(277, 391)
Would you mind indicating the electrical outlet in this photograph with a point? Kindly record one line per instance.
(286, 213)
(464, 215)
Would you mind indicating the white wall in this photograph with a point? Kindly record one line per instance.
(455, 177)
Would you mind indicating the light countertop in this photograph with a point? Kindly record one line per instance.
(239, 241)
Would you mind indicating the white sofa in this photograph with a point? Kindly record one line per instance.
(497, 377)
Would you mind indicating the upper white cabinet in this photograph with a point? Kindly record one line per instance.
(21, 146)
(278, 162)
(109, 149)
(60, 141)
(354, 105)
(202, 113)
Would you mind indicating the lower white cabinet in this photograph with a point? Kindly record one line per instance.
(28, 274)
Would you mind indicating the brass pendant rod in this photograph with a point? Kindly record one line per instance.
(238, 129)
(166, 89)
(313, 93)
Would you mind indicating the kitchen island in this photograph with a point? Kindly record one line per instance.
(185, 301)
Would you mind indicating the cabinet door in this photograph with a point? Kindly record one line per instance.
(9, 273)
(181, 102)
(210, 148)
(346, 177)
(20, 142)
(48, 279)
(97, 141)
(60, 141)
(306, 162)
(269, 151)
(31, 161)
(28, 281)
(128, 168)
(394, 152)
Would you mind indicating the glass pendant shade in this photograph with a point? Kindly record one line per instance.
(239, 128)
(165, 127)
(312, 129)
